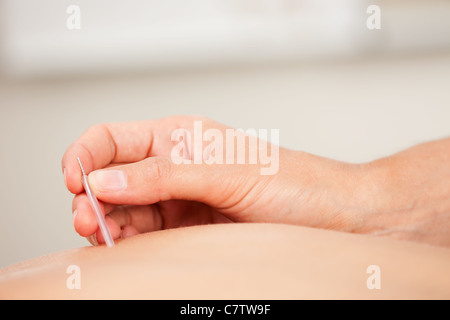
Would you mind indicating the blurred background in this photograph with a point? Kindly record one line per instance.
(311, 68)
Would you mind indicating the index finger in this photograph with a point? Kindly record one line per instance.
(104, 144)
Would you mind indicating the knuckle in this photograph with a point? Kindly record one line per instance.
(158, 169)
(96, 127)
(99, 129)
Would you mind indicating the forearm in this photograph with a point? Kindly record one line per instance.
(405, 196)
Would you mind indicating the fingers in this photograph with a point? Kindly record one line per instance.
(122, 221)
(159, 179)
(84, 219)
(137, 219)
(103, 144)
(125, 142)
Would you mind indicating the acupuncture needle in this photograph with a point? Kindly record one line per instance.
(96, 207)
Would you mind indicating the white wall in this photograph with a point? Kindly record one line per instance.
(138, 35)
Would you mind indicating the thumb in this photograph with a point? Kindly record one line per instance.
(159, 179)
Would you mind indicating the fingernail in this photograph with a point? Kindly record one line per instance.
(93, 239)
(74, 215)
(65, 177)
(108, 180)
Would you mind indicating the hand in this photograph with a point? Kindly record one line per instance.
(144, 188)
(133, 174)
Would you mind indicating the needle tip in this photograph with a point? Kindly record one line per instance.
(81, 166)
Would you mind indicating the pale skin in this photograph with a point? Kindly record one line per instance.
(237, 261)
(252, 236)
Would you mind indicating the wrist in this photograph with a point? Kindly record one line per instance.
(333, 194)
(403, 197)
(373, 189)
(360, 196)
